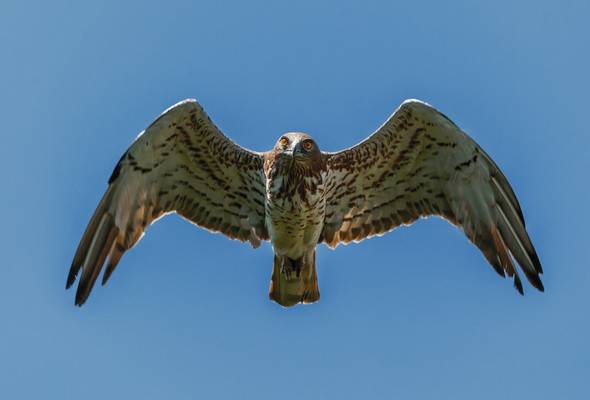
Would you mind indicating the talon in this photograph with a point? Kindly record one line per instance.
(297, 267)
(286, 268)
(291, 268)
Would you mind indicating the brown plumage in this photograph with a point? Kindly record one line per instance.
(417, 164)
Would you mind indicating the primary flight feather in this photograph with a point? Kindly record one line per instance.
(417, 164)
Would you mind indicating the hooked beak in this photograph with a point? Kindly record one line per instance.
(298, 151)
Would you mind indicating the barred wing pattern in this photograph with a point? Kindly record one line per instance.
(181, 163)
(417, 164)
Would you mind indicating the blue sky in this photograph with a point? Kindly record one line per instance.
(416, 314)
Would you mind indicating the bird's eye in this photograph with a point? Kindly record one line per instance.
(308, 145)
(283, 141)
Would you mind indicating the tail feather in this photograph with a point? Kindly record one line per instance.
(295, 289)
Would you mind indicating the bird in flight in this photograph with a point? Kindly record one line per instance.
(417, 164)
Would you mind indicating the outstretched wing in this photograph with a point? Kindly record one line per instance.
(181, 163)
(417, 164)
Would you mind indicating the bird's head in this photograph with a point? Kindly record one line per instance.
(296, 154)
(299, 147)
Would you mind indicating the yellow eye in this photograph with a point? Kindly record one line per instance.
(284, 142)
(308, 145)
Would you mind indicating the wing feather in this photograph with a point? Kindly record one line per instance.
(418, 164)
(181, 163)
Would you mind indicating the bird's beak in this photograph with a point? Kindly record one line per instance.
(298, 151)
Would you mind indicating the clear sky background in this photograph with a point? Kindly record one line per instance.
(416, 314)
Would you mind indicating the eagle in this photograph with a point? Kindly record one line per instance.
(417, 164)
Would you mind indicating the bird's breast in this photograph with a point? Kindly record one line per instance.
(295, 210)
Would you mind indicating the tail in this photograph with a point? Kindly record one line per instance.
(289, 289)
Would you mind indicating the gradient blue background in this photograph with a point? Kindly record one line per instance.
(417, 314)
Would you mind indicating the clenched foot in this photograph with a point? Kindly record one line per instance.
(291, 268)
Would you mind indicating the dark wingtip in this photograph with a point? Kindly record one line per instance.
(105, 277)
(518, 284)
(72, 276)
(70, 282)
(536, 262)
(536, 282)
(81, 295)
